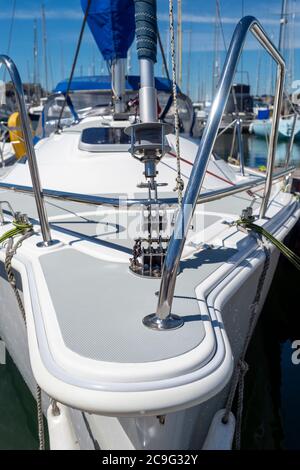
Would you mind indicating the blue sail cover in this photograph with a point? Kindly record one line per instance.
(112, 25)
(103, 83)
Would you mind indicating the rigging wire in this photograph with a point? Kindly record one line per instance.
(45, 55)
(218, 8)
(216, 60)
(74, 64)
(163, 55)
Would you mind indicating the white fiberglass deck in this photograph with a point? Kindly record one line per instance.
(88, 345)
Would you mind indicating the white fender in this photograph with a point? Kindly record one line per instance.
(61, 431)
(220, 435)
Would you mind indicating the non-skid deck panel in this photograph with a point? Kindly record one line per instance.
(100, 306)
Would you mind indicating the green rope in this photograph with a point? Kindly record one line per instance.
(19, 229)
(289, 254)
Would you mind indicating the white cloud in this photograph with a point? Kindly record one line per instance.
(59, 14)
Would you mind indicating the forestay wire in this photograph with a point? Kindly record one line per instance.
(179, 181)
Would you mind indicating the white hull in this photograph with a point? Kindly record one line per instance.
(185, 429)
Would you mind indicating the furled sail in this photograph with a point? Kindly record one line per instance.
(112, 25)
(146, 29)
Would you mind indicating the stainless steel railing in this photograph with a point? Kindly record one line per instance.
(176, 245)
(93, 200)
(35, 178)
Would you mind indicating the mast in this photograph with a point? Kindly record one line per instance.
(62, 62)
(163, 68)
(10, 34)
(216, 62)
(45, 47)
(270, 77)
(179, 40)
(242, 71)
(189, 64)
(218, 33)
(293, 39)
(28, 71)
(282, 45)
(258, 73)
(51, 73)
(36, 77)
(35, 53)
(283, 22)
(168, 47)
(288, 41)
(200, 84)
(118, 79)
(29, 96)
(93, 64)
(129, 62)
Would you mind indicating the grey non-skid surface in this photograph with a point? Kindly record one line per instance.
(100, 306)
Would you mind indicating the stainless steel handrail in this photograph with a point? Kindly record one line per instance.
(208, 196)
(176, 245)
(38, 194)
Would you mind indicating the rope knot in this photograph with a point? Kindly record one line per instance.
(179, 184)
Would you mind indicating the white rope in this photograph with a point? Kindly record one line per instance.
(179, 181)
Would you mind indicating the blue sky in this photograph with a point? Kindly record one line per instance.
(64, 19)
